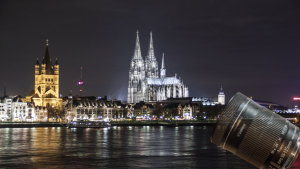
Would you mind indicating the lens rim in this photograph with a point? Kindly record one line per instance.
(292, 158)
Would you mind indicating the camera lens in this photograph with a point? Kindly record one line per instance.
(256, 134)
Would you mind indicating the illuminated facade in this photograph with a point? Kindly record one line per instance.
(206, 101)
(145, 84)
(92, 108)
(40, 113)
(46, 88)
(221, 97)
(13, 109)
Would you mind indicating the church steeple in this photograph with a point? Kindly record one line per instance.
(221, 90)
(163, 61)
(151, 66)
(221, 96)
(137, 50)
(47, 61)
(136, 73)
(163, 70)
(151, 49)
(37, 67)
(56, 62)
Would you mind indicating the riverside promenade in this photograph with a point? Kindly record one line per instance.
(164, 123)
(113, 123)
(31, 124)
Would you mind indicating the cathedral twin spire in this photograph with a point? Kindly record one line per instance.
(151, 49)
(146, 83)
(150, 59)
(137, 50)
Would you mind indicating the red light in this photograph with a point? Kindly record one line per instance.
(296, 98)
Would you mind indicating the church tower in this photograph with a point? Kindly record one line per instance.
(151, 66)
(136, 74)
(221, 97)
(46, 86)
(163, 70)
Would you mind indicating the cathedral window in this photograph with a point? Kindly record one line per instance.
(51, 80)
(46, 80)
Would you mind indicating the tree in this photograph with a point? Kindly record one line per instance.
(174, 112)
(55, 112)
(158, 109)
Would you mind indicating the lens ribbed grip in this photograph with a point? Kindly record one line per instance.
(227, 115)
(256, 134)
(260, 137)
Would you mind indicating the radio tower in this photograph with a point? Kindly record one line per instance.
(80, 82)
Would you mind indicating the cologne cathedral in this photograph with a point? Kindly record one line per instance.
(146, 84)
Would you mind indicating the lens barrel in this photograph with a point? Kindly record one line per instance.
(256, 134)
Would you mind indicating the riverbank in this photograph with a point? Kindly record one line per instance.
(164, 123)
(30, 124)
(113, 123)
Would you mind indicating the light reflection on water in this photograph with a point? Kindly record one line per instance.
(115, 147)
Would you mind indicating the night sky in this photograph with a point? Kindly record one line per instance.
(252, 47)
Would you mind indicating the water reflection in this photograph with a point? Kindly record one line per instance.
(115, 147)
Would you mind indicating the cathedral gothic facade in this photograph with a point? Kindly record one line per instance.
(146, 83)
(46, 87)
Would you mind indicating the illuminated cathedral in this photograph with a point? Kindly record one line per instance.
(46, 87)
(146, 84)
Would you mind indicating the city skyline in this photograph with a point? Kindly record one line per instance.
(255, 52)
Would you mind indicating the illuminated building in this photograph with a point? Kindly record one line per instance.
(221, 97)
(206, 101)
(13, 109)
(40, 113)
(6, 109)
(46, 88)
(93, 108)
(145, 84)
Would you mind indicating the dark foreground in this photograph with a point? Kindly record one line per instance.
(115, 147)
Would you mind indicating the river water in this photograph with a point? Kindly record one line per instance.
(115, 147)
